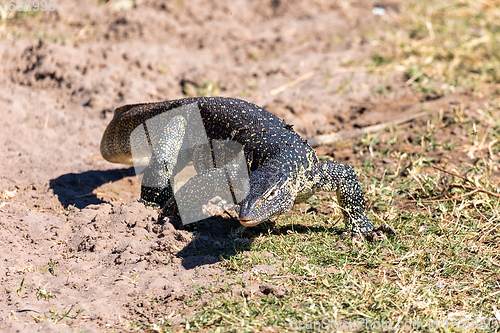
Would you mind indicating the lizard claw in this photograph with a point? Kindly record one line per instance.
(169, 209)
(386, 229)
(375, 235)
(379, 233)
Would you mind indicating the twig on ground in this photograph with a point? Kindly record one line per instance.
(473, 189)
(437, 167)
(450, 199)
(334, 137)
(292, 83)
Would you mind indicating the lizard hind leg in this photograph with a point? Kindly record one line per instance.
(156, 189)
(341, 178)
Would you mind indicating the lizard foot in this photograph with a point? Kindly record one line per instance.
(374, 235)
(171, 212)
(169, 209)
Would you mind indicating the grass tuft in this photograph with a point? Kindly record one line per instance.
(445, 45)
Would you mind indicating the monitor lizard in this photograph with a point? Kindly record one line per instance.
(283, 168)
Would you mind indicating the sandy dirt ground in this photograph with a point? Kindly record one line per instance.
(72, 234)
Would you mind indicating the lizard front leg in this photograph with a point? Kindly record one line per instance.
(341, 178)
(156, 189)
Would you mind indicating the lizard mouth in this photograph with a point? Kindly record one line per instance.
(248, 222)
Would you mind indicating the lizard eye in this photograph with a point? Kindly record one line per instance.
(271, 194)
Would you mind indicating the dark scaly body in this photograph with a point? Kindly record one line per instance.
(283, 168)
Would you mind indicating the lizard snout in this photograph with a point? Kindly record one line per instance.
(246, 215)
(248, 222)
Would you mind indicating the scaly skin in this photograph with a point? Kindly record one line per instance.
(283, 168)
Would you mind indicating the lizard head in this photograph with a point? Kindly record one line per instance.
(271, 193)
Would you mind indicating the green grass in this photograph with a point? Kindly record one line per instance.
(445, 45)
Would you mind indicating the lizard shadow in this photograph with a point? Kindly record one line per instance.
(302, 229)
(219, 238)
(76, 188)
(214, 239)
